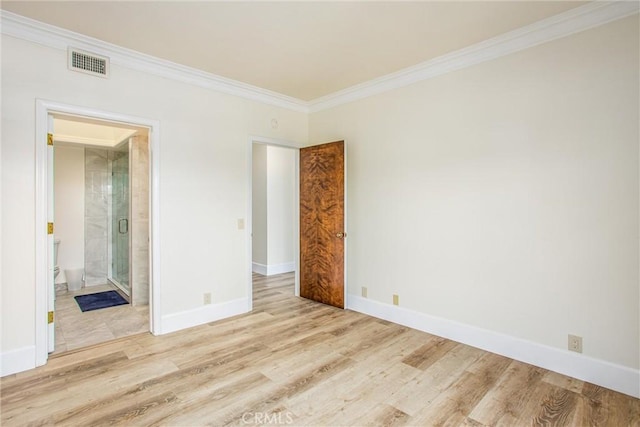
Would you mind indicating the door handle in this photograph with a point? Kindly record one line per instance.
(126, 226)
(341, 235)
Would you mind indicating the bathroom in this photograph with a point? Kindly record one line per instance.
(101, 210)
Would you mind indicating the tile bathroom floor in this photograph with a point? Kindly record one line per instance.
(75, 329)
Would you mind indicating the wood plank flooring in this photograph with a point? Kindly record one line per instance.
(295, 362)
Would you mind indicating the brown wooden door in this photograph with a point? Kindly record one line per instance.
(322, 223)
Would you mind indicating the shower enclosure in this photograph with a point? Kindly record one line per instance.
(120, 213)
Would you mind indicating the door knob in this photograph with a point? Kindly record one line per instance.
(341, 235)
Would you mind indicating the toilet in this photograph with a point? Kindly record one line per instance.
(56, 269)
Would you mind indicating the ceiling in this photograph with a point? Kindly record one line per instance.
(72, 130)
(304, 49)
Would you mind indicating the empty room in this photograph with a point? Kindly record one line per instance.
(320, 213)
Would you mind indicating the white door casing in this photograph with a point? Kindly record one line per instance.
(44, 289)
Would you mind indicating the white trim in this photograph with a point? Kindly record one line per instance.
(605, 374)
(248, 226)
(43, 109)
(296, 225)
(270, 270)
(564, 24)
(201, 315)
(285, 267)
(259, 268)
(58, 38)
(345, 212)
(18, 360)
(51, 287)
(41, 252)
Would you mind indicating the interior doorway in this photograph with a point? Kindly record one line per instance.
(46, 113)
(324, 206)
(101, 233)
(273, 220)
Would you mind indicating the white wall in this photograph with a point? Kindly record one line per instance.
(505, 196)
(280, 206)
(69, 207)
(259, 206)
(203, 179)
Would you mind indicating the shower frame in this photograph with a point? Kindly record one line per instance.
(125, 289)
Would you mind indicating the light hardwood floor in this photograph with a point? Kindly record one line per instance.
(295, 362)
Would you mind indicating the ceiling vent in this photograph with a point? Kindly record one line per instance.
(88, 63)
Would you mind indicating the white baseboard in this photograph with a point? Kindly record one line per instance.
(201, 315)
(269, 270)
(259, 268)
(18, 360)
(281, 268)
(615, 377)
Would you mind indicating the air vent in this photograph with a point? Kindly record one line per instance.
(89, 63)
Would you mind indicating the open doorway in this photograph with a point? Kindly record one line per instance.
(101, 234)
(274, 216)
(147, 131)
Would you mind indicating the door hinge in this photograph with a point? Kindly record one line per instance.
(50, 317)
(49, 139)
(49, 228)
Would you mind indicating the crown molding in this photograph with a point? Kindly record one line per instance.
(58, 38)
(564, 24)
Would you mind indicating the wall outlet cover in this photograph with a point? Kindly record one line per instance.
(575, 343)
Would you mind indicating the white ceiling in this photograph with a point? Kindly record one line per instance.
(71, 130)
(302, 49)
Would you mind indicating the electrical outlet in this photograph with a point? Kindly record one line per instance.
(395, 299)
(207, 298)
(364, 292)
(575, 343)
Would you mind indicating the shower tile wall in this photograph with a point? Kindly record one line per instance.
(139, 175)
(96, 216)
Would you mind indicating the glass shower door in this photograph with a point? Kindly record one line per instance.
(120, 220)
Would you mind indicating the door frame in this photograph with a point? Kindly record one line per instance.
(296, 226)
(249, 215)
(45, 108)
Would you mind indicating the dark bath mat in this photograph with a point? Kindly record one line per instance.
(99, 300)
